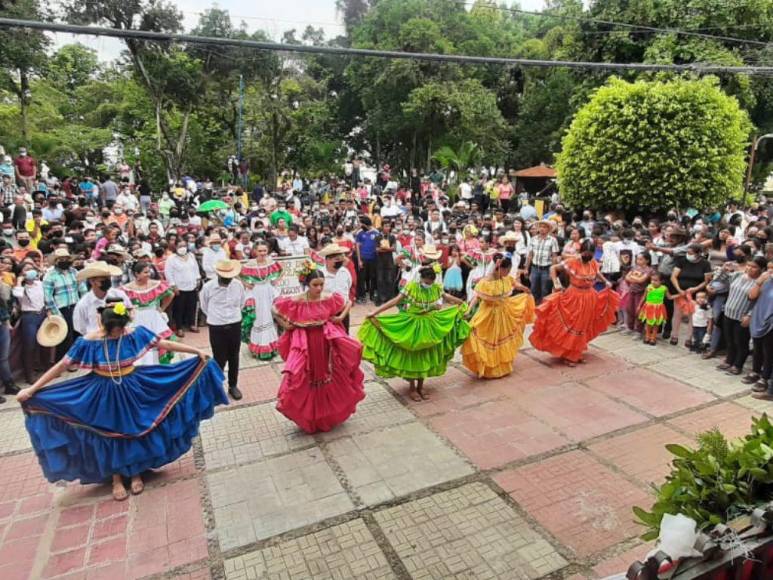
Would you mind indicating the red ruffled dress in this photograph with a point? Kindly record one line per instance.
(567, 321)
(322, 381)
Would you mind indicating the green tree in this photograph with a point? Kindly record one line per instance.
(650, 145)
(22, 56)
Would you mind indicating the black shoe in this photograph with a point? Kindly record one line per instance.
(11, 389)
(2, 399)
(667, 334)
(235, 393)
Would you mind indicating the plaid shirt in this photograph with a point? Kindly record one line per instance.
(60, 289)
(543, 250)
(8, 194)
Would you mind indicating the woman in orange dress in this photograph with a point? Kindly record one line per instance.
(570, 318)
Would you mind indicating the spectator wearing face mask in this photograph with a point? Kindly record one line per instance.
(29, 294)
(338, 280)
(61, 293)
(98, 276)
(182, 273)
(211, 255)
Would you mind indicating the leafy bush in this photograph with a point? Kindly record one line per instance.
(717, 481)
(655, 145)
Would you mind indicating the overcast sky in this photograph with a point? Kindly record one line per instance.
(272, 16)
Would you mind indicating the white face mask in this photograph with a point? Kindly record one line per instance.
(216, 248)
(182, 251)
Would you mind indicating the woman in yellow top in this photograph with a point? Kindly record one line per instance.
(497, 326)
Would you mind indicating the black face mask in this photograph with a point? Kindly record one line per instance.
(223, 281)
(510, 249)
(23, 243)
(105, 285)
(740, 259)
(586, 257)
(64, 264)
(337, 265)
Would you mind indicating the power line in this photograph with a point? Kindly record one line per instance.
(628, 25)
(346, 51)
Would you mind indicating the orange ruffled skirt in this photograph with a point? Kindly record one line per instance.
(569, 320)
(496, 336)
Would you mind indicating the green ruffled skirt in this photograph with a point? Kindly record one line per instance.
(413, 345)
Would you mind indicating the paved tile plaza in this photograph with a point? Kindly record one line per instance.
(531, 476)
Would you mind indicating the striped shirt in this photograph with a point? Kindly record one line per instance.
(60, 289)
(738, 303)
(543, 250)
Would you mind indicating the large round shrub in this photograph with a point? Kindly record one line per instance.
(655, 145)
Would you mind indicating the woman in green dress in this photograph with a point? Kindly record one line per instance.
(418, 341)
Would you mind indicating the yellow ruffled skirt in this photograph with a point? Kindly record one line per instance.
(496, 336)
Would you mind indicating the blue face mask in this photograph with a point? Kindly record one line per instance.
(31, 275)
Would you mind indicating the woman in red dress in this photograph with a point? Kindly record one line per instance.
(322, 381)
(570, 318)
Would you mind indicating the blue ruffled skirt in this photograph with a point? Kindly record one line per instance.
(89, 428)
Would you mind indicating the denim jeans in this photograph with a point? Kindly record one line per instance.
(540, 283)
(717, 309)
(30, 350)
(5, 351)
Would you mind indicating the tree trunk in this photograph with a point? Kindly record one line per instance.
(413, 152)
(378, 151)
(24, 104)
(274, 167)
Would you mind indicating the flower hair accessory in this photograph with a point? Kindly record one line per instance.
(119, 309)
(437, 268)
(306, 270)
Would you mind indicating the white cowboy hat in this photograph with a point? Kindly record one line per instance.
(431, 252)
(98, 269)
(332, 250)
(52, 332)
(509, 237)
(228, 268)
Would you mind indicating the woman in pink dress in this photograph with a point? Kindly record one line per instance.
(322, 381)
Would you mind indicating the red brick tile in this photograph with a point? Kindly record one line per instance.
(497, 433)
(19, 551)
(642, 453)
(732, 420)
(69, 538)
(110, 551)
(7, 509)
(108, 572)
(64, 563)
(650, 392)
(15, 570)
(187, 551)
(596, 363)
(110, 527)
(35, 504)
(576, 411)
(75, 515)
(110, 508)
(146, 539)
(582, 503)
(619, 564)
(258, 384)
(26, 528)
(20, 477)
(150, 562)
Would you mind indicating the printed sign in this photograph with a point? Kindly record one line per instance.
(288, 284)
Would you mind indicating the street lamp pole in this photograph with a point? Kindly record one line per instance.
(752, 159)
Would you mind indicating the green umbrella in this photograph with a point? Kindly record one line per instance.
(212, 205)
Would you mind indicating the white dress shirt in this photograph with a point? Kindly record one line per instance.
(30, 296)
(296, 247)
(209, 258)
(222, 304)
(182, 272)
(339, 282)
(85, 317)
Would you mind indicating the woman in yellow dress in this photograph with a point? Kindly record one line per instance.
(497, 326)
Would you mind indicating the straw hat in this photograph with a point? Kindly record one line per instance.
(117, 249)
(332, 250)
(551, 224)
(509, 237)
(61, 253)
(52, 332)
(228, 268)
(431, 252)
(98, 270)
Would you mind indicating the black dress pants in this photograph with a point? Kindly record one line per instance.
(225, 341)
(184, 309)
(737, 338)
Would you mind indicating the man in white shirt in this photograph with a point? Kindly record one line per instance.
(435, 223)
(465, 190)
(390, 209)
(222, 300)
(182, 273)
(338, 280)
(294, 244)
(98, 275)
(211, 255)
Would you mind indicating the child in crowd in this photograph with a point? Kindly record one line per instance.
(452, 279)
(701, 321)
(652, 309)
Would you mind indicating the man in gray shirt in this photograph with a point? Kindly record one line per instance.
(108, 192)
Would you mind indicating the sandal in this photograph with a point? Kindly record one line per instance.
(137, 487)
(733, 371)
(674, 341)
(760, 386)
(120, 493)
(723, 366)
(750, 378)
(688, 343)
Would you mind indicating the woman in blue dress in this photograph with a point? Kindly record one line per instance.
(119, 420)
